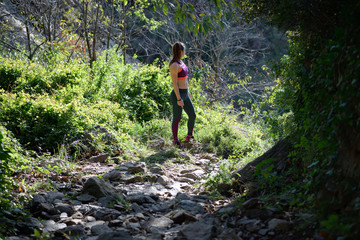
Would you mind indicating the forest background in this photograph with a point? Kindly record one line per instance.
(69, 67)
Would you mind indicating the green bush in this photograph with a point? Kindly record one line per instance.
(42, 123)
(10, 71)
(143, 90)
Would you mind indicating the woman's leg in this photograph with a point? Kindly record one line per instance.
(177, 112)
(190, 111)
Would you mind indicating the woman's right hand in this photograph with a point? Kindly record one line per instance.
(180, 103)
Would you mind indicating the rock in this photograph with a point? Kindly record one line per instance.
(157, 170)
(28, 225)
(191, 206)
(76, 232)
(90, 219)
(100, 229)
(99, 188)
(137, 167)
(107, 202)
(198, 231)
(101, 158)
(114, 175)
(63, 207)
(190, 176)
(140, 199)
(182, 216)
(199, 172)
(38, 199)
(136, 208)
(182, 196)
(46, 207)
(202, 162)
(162, 222)
(132, 179)
(186, 180)
(106, 214)
(52, 196)
(151, 178)
(252, 203)
(263, 232)
(90, 225)
(253, 226)
(229, 234)
(52, 226)
(263, 214)
(116, 235)
(134, 226)
(163, 180)
(279, 225)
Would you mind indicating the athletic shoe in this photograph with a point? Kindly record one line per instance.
(189, 137)
(177, 144)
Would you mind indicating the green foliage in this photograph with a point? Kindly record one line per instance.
(5, 159)
(40, 123)
(21, 76)
(143, 90)
(319, 93)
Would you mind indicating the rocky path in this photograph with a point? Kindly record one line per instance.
(149, 200)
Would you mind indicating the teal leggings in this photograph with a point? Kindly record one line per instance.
(177, 112)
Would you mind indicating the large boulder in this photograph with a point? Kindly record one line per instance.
(99, 188)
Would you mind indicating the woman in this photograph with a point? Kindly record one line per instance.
(180, 97)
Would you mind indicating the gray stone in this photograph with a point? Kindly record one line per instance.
(182, 196)
(183, 216)
(52, 226)
(162, 222)
(38, 199)
(90, 219)
(163, 180)
(28, 225)
(77, 215)
(151, 178)
(99, 188)
(229, 234)
(90, 225)
(134, 226)
(263, 232)
(106, 214)
(252, 203)
(75, 232)
(140, 199)
(100, 229)
(157, 170)
(101, 158)
(47, 207)
(86, 198)
(279, 225)
(138, 167)
(198, 231)
(190, 175)
(191, 206)
(116, 235)
(132, 179)
(52, 196)
(136, 208)
(108, 201)
(253, 226)
(114, 175)
(186, 180)
(63, 207)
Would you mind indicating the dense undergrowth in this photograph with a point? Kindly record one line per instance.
(64, 110)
